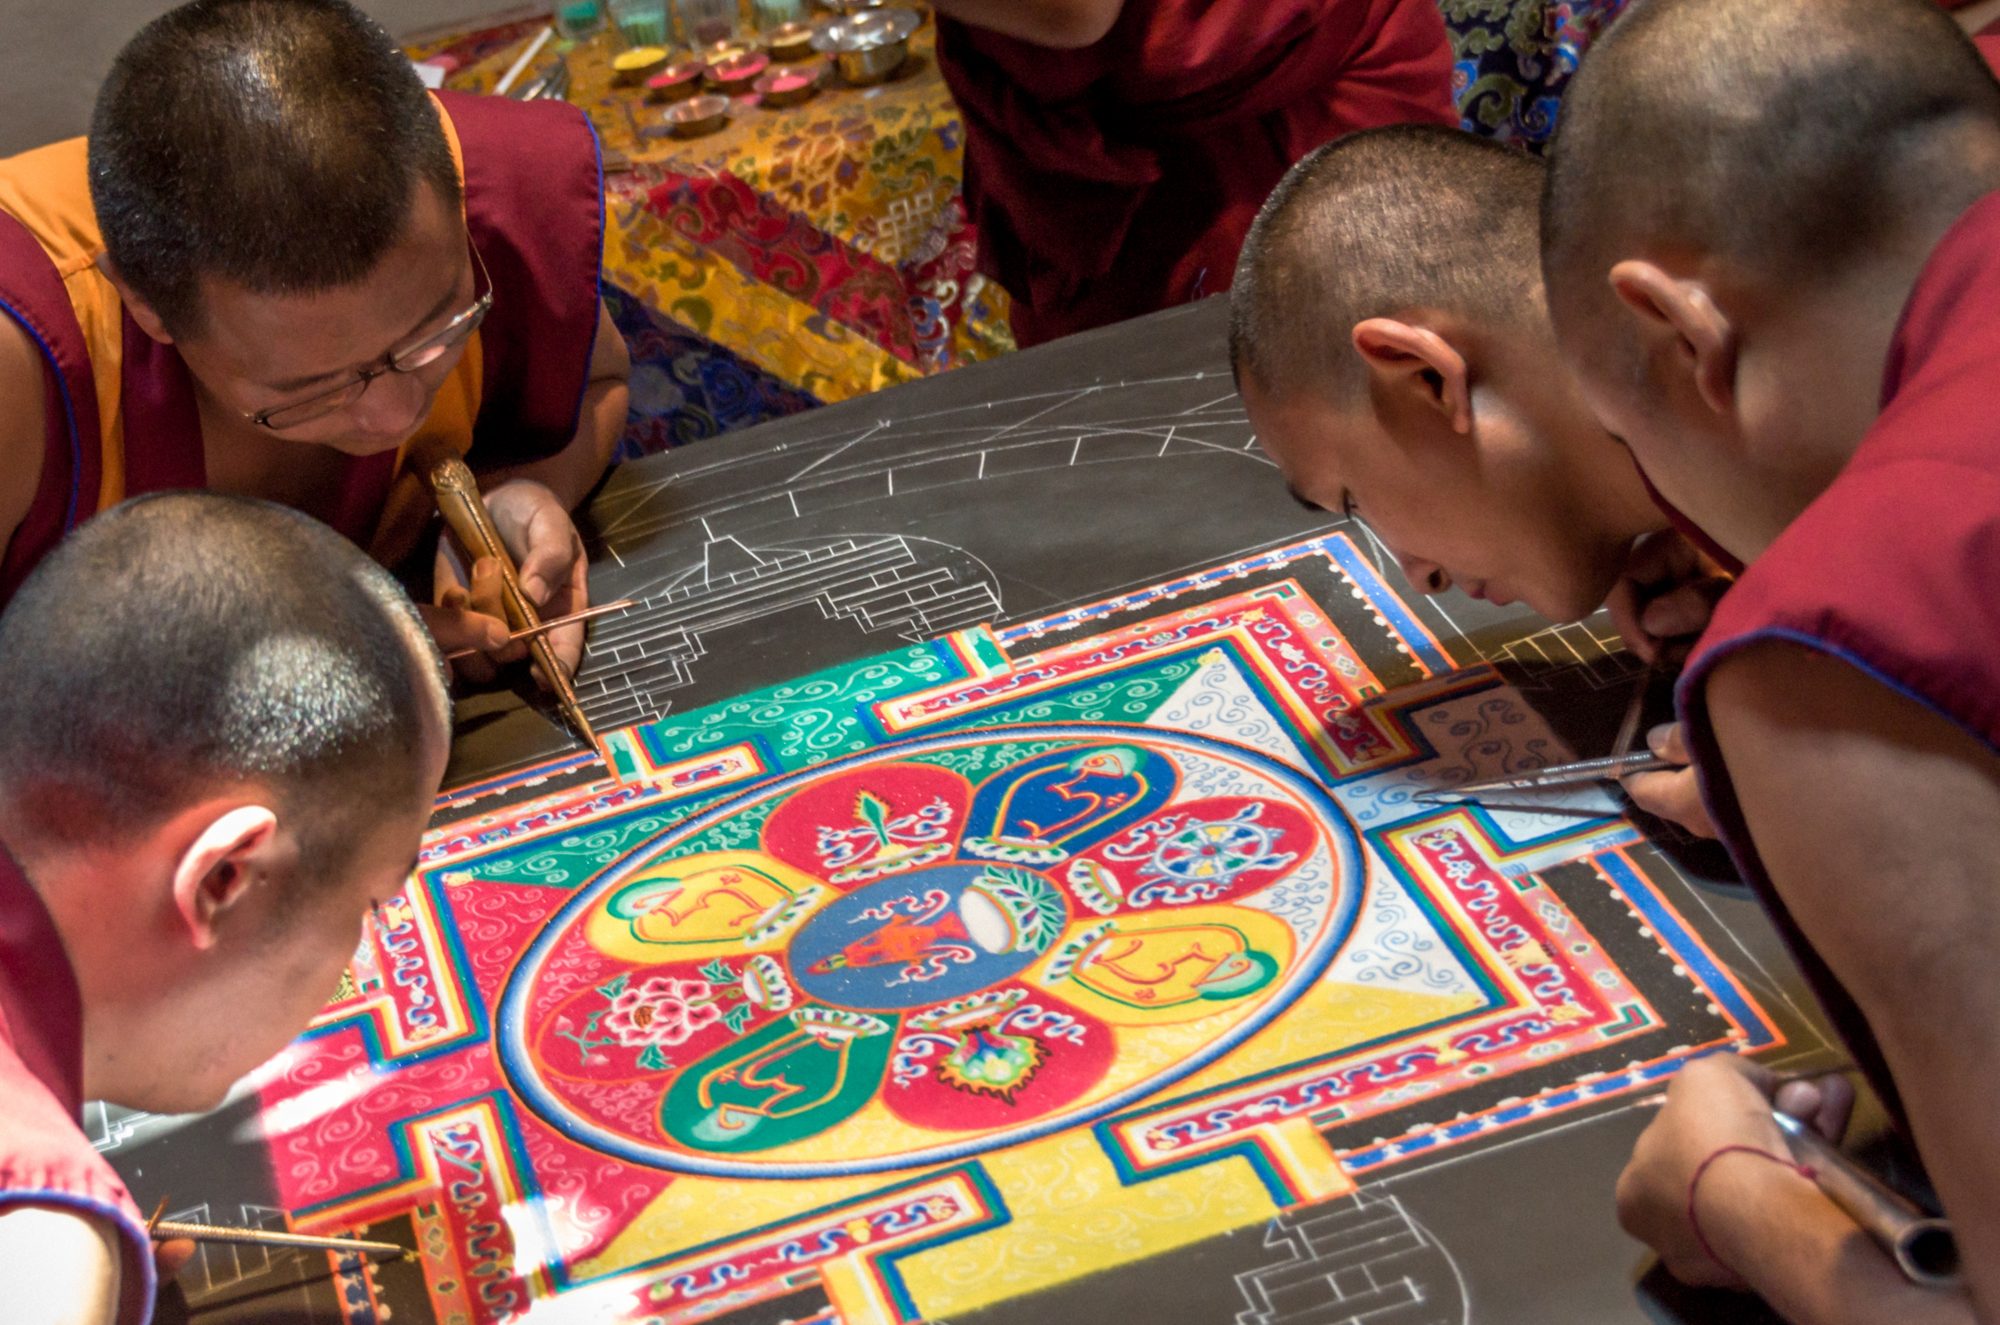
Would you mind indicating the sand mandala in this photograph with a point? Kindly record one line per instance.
(925, 985)
(934, 949)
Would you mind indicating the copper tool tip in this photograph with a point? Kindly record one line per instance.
(603, 748)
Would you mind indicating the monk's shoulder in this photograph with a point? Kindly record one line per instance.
(514, 143)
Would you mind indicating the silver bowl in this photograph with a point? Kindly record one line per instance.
(695, 117)
(789, 41)
(867, 46)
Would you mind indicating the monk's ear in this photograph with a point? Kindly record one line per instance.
(143, 314)
(228, 852)
(1679, 317)
(1405, 357)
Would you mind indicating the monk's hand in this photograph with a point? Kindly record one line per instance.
(1713, 1103)
(1672, 794)
(468, 612)
(171, 1257)
(1825, 1103)
(1666, 595)
(548, 551)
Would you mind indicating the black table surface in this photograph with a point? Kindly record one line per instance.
(1010, 490)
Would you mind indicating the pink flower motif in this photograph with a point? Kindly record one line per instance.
(661, 1011)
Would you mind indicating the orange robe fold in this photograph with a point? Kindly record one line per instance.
(120, 415)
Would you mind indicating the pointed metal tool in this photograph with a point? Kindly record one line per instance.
(1607, 769)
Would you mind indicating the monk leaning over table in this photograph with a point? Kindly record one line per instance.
(1116, 151)
(1784, 305)
(1392, 345)
(275, 263)
(219, 739)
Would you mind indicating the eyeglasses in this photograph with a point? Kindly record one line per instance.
(419, 356)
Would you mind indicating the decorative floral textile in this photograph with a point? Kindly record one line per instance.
(1513, 58)
(819, 252)
(1515, 55)
(801, 255)
(686, 387)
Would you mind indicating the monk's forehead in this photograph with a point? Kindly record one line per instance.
(277, 336)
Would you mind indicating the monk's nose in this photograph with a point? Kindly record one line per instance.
(1424, 576)
(393, 405)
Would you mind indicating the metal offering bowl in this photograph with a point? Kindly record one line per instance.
(867, 46)
(789, 41)
(677, 82)
(633, 67)
(737, 73)
(789, 87)
(695, 117)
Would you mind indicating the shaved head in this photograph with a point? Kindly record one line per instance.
(181, 644)
(1782, 138)
(1382, 223)
(277, 144)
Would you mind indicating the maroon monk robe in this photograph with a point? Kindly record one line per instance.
(45, 1158)
(1891, 569)
(1724, 559)
(1119, 179)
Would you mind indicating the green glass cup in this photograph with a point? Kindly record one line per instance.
(578, 20)
(776, 13)
(641, 22)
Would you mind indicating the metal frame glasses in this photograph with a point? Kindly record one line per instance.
(419, 356)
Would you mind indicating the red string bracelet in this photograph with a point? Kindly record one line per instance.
(1694, 1183)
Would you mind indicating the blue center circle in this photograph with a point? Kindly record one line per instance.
(930, 935)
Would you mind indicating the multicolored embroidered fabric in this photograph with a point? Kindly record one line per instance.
(1513, 57)
(815, 253)
(818, 251)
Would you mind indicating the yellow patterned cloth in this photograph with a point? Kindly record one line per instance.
(814, 253)
(800, 255)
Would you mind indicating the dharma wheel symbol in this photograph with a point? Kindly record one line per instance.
(1219, 852)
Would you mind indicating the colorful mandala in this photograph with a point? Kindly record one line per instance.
(930, 950)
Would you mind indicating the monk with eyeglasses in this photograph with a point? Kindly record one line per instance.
(275, 265)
